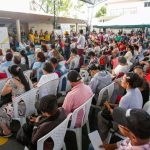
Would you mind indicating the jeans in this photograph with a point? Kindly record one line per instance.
(91, 147)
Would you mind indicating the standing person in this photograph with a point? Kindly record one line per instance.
(36, 39)
(81, 46)
(52, 38)
(47, 37)
(67, 45)
(41, 36)
(31, 36)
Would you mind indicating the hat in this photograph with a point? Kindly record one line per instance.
(136, 120)
(66, 33)
(74, 76)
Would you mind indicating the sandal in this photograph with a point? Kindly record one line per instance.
(3, 135)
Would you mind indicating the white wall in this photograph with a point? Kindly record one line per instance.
(39, 26)
(126, 8)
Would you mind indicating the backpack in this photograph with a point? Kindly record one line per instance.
(102, 60)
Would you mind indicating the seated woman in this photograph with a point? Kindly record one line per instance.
(48, 74)
(24, 58)
(40, 59)
(57, 55)
(132, 99)
(14, 87)
(73, 61)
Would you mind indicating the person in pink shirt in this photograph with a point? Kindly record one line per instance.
(78, 95)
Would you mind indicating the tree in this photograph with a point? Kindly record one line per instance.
(101, 12)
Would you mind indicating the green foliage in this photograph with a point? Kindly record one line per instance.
(101, 12)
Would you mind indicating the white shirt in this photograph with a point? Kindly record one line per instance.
(48, 77)
(128, 56)
(74, 62)
(81, 42)
(120, 68)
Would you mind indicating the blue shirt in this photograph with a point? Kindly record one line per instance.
(61, 69)
(132, 99)
(37, 65)
(4, 67)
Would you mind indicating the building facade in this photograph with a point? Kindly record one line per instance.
(124, 7)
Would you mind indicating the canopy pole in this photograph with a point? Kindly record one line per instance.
(18, 30)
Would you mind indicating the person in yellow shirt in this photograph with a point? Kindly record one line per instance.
(47, 37)
(36, 39)
(31, 36)
(41, 36)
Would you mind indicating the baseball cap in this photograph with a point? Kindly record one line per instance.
(136, 120)
(74, 76)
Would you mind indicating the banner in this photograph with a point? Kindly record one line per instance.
(4, 39)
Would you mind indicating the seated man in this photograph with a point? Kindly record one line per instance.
(122, 67)
(100, 79)
(133, 124)
(79, 94)
(144, 88)
(59, 69)
(51, 116)
(17, 61)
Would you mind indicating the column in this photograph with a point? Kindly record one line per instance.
(76, 27)
(18, 30)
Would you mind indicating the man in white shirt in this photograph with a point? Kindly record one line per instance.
(122, 67)
(81, 46)
(48, 74)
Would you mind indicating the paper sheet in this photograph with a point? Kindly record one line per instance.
(96, 140)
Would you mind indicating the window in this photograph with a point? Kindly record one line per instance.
(147, 4)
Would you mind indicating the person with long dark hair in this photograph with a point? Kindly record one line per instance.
(24, 58)
(14, 87)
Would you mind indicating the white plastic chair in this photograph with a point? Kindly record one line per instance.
(57, 135)
(30, 59)
(2, 83)
(29, 99)
(84, 74)
(147, 107)
(64, 85)
(110, 89)
(28, 73)
(49, 88)
(78, 130)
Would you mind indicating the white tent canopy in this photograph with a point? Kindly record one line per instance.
(127, 20)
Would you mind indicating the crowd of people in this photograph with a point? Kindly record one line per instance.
(122, 59)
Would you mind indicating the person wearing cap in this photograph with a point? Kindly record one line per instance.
(100, 78)
(78, 95)
(67, 45)
(133, 124)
